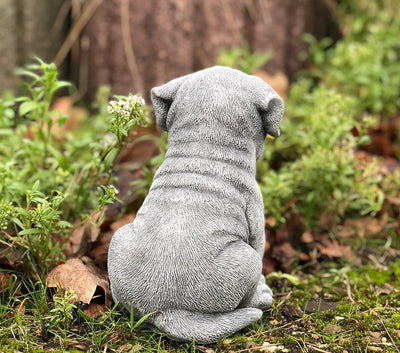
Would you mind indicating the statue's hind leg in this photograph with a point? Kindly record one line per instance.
(260, 298)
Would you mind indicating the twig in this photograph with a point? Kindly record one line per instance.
(349, 292)
(312, 346)
(288, 205)
(76, 30)
(61, 18)
(387, 332)
(277, 328)
(258, 348)
(75, 15)
(332, 6)
(129, 52)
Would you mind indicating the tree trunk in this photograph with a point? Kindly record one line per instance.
(134, 45)
(27, 30)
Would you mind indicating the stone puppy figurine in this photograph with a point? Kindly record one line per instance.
(193, 255)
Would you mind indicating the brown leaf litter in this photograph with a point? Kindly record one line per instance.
(82, 277)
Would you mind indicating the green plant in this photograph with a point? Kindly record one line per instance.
(364, 64)
(294, 280)
(321, 173)
(49, 176)
(33, 320)
(62, 313)
(243, 58)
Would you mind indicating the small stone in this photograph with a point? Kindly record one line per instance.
(332, 329)
(375, 337)
(269, 347)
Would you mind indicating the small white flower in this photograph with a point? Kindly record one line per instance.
(125, 107)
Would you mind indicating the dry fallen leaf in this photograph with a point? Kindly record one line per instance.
(95, 310)
(125, 347)
(81, 345)
(125, 219)
(361, 226)
(270, 221)
(5, 285)
(285, 253)
(4, 281)
(204, 349)
(292, 310)
(333, 249)
(86, 234)
(307, 237)
(385, 288)
(393, 200)
(82, 277)
(10, 257)
(20, 308)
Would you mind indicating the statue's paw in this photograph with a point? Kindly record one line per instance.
(262, 297)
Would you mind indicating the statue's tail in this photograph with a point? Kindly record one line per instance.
(203, 328)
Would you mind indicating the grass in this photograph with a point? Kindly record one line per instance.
(324, 307)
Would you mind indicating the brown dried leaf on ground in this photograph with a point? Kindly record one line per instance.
(10, 257)
(292, 310)
(83, 278)
(385, 288)
(362, 227)
(307, 238)
(4, 281)
(19, 308)
(285, 254)
(99, 250)
(85, 235)
(125, 219)
(333, 249)
(383, 138)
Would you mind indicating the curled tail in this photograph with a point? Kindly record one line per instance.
(203, 328)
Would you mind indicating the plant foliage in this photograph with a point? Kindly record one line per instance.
(50, 177)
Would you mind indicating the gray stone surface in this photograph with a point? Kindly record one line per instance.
(194, 252)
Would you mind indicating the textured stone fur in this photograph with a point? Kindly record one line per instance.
(194, 251)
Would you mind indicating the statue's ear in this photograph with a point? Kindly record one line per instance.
(271, 108)
(162, 98)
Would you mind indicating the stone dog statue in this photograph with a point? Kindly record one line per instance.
(193, 255)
